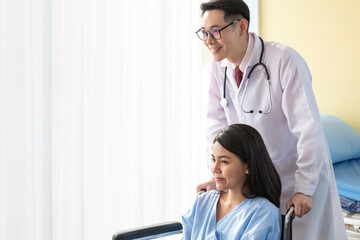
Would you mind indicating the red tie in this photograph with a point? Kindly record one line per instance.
(238, 75)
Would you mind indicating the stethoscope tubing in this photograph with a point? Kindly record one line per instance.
(224, 101)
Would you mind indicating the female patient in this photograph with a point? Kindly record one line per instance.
(246, 203)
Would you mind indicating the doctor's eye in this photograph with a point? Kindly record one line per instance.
(215, 33)
(203, 34)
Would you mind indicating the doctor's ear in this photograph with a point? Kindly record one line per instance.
(243, 25)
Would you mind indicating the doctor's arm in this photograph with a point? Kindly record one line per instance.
(216, 122)
(300, 108)
(215, 112)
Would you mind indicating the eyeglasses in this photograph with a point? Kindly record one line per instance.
(214, 33)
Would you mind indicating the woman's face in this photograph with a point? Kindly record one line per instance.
(228, 170)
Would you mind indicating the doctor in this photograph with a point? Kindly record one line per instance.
(268, 86)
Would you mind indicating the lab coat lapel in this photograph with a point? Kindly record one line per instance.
(255, 56)
(254, 59)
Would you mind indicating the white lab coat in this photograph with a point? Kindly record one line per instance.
(292, 131)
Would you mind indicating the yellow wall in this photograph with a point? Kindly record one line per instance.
(327, 34)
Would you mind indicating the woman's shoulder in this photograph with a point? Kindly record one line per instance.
(262, 219)
(264, 205)
(207, 199)
(209, 194)
(212, 195)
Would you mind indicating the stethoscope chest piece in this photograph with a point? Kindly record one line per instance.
(224, 102)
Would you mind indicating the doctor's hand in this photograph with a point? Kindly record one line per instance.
(302, 204)
(209, 185)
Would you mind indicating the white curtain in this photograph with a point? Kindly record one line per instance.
(102, 115)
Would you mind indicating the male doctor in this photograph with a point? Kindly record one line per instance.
(283, 110)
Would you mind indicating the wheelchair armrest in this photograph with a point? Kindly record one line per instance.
(150, 231)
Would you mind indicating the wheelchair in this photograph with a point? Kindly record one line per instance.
(171, 228)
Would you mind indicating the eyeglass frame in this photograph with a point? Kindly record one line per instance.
(219, 30)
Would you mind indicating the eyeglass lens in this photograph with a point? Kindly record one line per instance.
(214, 33)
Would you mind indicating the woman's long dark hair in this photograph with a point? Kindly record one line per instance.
(246, 143)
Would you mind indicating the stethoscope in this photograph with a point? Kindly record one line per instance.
(224, 102)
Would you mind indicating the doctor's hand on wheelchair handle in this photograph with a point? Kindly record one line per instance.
(207, 186)
(302, 204)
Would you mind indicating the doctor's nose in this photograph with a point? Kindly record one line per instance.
(210, 40)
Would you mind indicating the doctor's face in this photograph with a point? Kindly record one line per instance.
(228, 45)
(229, 171)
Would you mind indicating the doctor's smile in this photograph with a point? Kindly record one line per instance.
(215, 50)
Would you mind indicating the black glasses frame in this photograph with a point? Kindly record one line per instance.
(219, 30)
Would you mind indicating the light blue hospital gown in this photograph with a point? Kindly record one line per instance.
(255, 219)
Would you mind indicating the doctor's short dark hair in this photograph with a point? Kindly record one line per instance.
(232, 9)
(247, 144)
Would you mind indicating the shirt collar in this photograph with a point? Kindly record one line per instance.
(245, 62)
